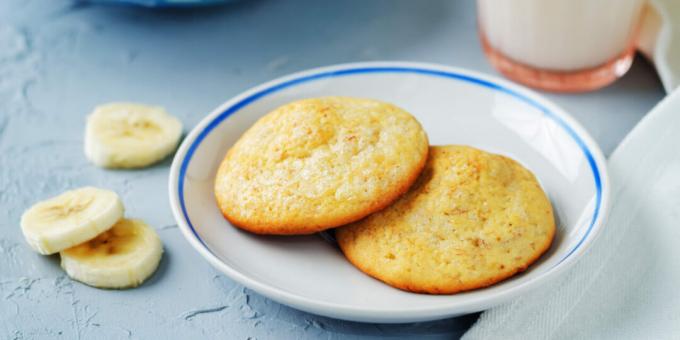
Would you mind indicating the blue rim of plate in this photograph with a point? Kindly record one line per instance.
(388, 69)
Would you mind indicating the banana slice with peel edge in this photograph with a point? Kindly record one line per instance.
(122, 257)
(71, 218)
(129, 135)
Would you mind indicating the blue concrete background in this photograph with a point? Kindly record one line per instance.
(58, 59)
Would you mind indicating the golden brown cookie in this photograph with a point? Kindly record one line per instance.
(471, 219)
(319, 163)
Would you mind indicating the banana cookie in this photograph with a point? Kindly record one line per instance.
(319, 163)
(471, 219)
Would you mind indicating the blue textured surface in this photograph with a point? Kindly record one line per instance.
(58, 59)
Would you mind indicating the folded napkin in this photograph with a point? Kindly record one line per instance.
(627, 285)
(659, 40)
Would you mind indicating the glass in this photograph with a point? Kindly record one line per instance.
(560, 45)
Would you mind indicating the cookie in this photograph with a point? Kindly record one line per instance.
(471, 219)
(319, 163)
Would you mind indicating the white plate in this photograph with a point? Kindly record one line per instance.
(455, 106)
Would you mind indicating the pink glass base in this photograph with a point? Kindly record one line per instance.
(558, 81)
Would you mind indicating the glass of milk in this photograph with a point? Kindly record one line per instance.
(560, 45)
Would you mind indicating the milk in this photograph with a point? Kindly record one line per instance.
(560, 35)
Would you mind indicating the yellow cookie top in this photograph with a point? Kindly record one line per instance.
(471, 219)
(319, 163)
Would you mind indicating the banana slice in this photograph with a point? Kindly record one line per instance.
(122, 257)
(71, 218)
(127, 135)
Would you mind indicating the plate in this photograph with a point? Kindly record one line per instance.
(455, 106)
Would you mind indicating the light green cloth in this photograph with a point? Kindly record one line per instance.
(660, 40)
(627, 285)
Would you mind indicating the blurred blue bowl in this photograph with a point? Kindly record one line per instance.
(164, 3)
